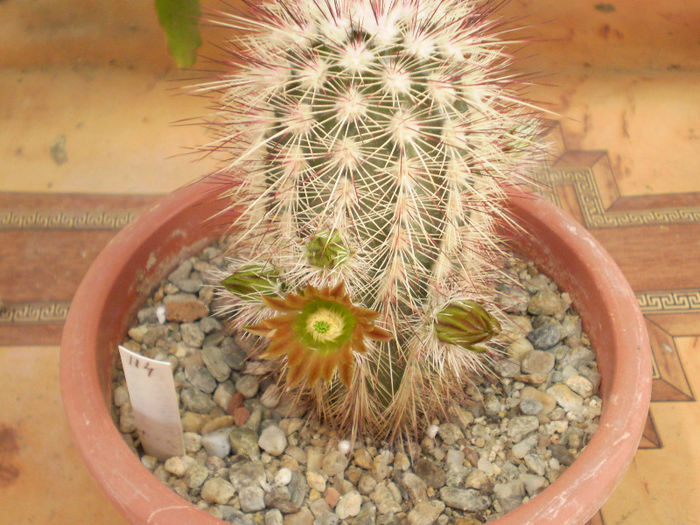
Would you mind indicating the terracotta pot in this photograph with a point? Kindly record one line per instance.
(126, 272)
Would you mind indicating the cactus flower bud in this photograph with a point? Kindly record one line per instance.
(466, 323)
(253, 280)
(327, 250)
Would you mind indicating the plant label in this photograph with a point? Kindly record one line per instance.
(155, 404)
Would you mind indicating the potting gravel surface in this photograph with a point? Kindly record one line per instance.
(253, 457)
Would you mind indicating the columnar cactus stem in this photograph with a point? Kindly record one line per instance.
(370, 142)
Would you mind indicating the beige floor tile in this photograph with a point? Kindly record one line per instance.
(42, 478)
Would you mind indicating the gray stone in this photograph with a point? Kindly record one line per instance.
(384, 499)
(547, 335)
(270, 398)
(578, 357)
(535, 464)
(507, 367)
(415, 487)
(433, 475)
(522, 448)
(537, 362)
(316, 481)
(147, 315)
(251, 499)
(181, 272)
(366, 483)
(426, 512)
(363, 458)
(273, 440)
(510, 494)
(333, 463)
(197, 401)
(217, 490)
(236, 355)
(245, 441)
(193, 442)
(247, 385)
(234, 516)
(246, 474)
(476, 479)
(530, 407)
(533, 483)
(450, 433)
(280, 498)
(192, 334)
(464, 499)
(565, 398)
(381, 464)
(196, 475)
(547, 302)
(217, 443)
(349, 505)
(189, 285)
(200, 377)
(274, 517)
(520, 426)
(214, 359)
(367, 515)
(561, 454)
(302, 517)
(579, 385)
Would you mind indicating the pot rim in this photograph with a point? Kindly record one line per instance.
(574, 497)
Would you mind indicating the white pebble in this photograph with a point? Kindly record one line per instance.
(344, 446)
(432, 431)
(283, 476)
(160, 314)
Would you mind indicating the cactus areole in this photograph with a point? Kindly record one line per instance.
(368, 146)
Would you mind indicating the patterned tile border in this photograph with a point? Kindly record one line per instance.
(669, 301)
(595, 214)
(63, 220)
(34, 313)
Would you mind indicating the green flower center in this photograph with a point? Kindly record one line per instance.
(324, 326)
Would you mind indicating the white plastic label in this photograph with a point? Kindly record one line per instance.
(155, 404)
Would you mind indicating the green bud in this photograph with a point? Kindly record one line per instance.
(327, 250)
(466, 323)
(253, 280)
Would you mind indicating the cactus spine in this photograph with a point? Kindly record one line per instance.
(369, 145)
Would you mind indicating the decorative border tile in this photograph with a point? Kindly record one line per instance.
(65, 220)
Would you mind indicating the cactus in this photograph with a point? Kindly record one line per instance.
(368, 145)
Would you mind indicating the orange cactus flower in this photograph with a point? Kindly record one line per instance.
(318, 331)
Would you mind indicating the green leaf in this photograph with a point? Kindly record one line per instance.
(180, 20)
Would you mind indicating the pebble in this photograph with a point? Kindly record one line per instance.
(564, 397)
(217, 443)
(426, 512)
(253, 457)
(470, 500)
(273, 440)
(348, 505)
(245, 441)
(547, 335)
(537, 362)
(215, 360)
(247, 385)
(184, 308)
(509, 494)
(251, 499)
(200, 378)
(217, 490)
(579, 385)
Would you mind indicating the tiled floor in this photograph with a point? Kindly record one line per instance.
(87, 98)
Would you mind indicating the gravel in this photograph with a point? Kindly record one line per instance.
(252, 457)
